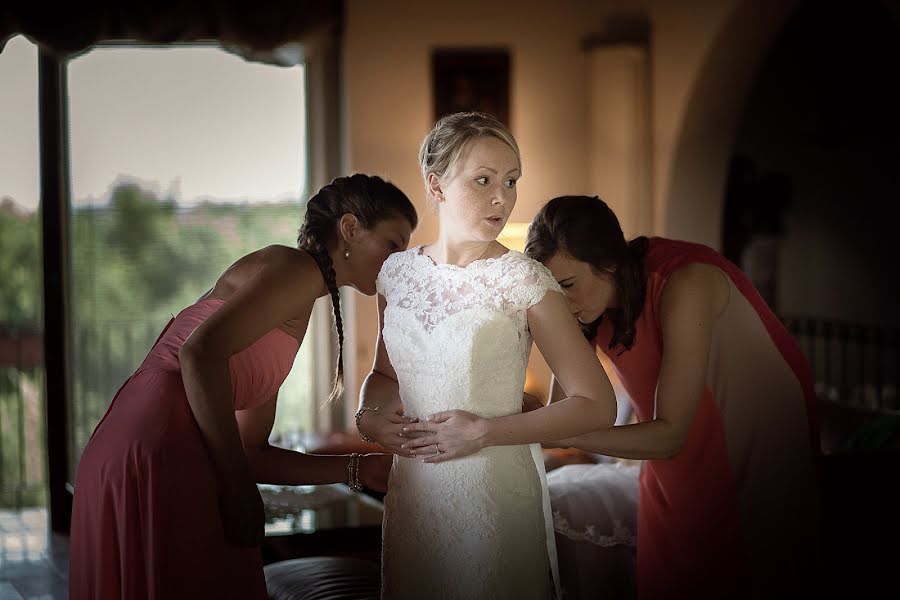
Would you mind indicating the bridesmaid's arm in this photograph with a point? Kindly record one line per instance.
(382, 391)
(280, 291)
(280, 466)
(590, 405)
(591, 401)
(694, 296)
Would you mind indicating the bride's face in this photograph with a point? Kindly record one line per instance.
(478, 192)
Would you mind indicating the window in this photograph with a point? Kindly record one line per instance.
(182, 160)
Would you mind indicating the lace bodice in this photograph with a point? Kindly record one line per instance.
(477, 527)
(451, 331)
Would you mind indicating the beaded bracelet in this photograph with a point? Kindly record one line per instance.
(358, 416)
(353, 472)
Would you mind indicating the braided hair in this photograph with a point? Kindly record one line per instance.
(370, 199)
(588, 230)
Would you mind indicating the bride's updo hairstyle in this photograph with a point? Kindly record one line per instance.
(445, 142)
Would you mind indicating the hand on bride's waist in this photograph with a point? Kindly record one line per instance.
(385, 429)
(445, 435)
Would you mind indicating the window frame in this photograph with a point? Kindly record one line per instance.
(323, 140)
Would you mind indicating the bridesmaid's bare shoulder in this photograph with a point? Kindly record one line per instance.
(292, 263)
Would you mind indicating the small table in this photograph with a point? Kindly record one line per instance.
(317, 520)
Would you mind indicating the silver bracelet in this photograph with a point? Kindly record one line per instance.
(358, 416)
(353, 472)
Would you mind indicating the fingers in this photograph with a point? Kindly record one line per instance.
(440, 417)
(420, 442)
(426, 426)
(392, 431)
(392, 439)
(432, 423)
(440, 457)
(430, 450)
(399, 448)
(399, 451)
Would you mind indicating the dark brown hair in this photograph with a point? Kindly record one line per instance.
(587, 229)
(370, 199)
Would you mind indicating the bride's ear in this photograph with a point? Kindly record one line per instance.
(434, 187)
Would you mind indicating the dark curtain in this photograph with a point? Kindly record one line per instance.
(263, 30)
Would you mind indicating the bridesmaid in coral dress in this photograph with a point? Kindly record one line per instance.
(728, 497)
(166, 505)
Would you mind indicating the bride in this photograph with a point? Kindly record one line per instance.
(471, 519)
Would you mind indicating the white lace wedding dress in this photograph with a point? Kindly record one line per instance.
(477, 527)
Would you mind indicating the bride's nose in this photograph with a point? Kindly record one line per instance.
(501, 195)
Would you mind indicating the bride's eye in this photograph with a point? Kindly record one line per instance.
(481, 180)
(511, 183)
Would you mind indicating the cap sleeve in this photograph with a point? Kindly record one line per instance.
(390, 271)
(380, 282)
(532, 281)
(383, 281)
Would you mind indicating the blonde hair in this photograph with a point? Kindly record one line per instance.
(445, 142)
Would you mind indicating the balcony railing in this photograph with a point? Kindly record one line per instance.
(22, 423)
(105, 354)
(852, 363)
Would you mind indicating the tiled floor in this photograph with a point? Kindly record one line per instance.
(34, 563)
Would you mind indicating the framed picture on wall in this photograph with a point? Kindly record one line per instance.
(466, 79)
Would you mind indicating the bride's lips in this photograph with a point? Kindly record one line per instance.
(496, 220)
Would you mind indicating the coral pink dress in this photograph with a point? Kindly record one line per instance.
(735, 513)
(145, 519)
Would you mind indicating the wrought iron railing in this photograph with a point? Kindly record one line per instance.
(104, 355)
(852, 363)
(22, 424)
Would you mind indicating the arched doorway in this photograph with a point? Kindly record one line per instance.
(692, 204)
